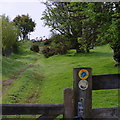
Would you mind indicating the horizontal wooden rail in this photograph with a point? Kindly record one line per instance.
(108, 81)
(31, 109)
(103, 113)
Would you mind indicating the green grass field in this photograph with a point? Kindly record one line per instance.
(46, 78)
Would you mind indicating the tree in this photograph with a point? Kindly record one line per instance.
(25, 24)
(114, 31)
(8, 39)
(110, 28)
(61, 18)
(86, 24)
(114, 37)
(72, 20)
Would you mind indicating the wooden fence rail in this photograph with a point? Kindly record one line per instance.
(31, 109)
(53, 110)
(112, 112)
(77, 101)
(83, 94)
(109, 81)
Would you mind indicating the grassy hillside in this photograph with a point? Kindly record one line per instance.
(59, 75)
(36, 79)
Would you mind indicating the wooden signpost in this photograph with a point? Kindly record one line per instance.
(82, 92)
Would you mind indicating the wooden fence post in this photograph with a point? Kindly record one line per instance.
(68, 103)
(82, 92)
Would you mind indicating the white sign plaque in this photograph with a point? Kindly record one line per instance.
(83, 84)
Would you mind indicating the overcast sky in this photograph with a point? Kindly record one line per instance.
(33, 7)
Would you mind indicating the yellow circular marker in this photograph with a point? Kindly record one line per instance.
(83, 74)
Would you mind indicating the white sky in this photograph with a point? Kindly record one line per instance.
(33, 7)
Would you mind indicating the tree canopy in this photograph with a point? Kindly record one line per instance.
(86, 24)
(72, 19)
(60, 18)
(25, 24)
(109, 31)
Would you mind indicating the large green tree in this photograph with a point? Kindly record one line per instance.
(72, 20)
(109, 31)
(25, 24)
(61, 17)
(86, 24)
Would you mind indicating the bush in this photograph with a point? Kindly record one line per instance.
(35, 48)
(7, 52)
(16, 48)
(50, 51)
(47, 42)
(47, 52)
(10, 35)
(57, 44)
(116, 55)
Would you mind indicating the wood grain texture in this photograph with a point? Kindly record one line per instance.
(68, 103)
(112, 113)
(108, 81)
(31, 109)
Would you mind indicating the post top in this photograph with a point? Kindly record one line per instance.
(82, 68)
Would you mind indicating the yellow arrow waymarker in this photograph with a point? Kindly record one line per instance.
(83, 74)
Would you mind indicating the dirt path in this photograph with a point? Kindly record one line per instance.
(7, 83)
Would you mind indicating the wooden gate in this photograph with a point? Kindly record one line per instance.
(77, 101)
(84, 83)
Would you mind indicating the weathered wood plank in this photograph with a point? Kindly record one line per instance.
(68, 103)
(103, 113)
(31, 109)
(108, 81)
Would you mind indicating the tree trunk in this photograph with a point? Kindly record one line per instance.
(76, 45)
(87, 50)
(77, 48)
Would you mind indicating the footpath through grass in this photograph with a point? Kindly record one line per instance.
(45, 81)
(21, 76)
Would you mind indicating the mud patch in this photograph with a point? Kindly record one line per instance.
(7, 83)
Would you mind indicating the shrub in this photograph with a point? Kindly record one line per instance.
(116, 55)
(10, 35)
(35, 48)
(7, 52)
(50, 51)
(57, 44)
(47, 42)
(16, 48)
(47, 52)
